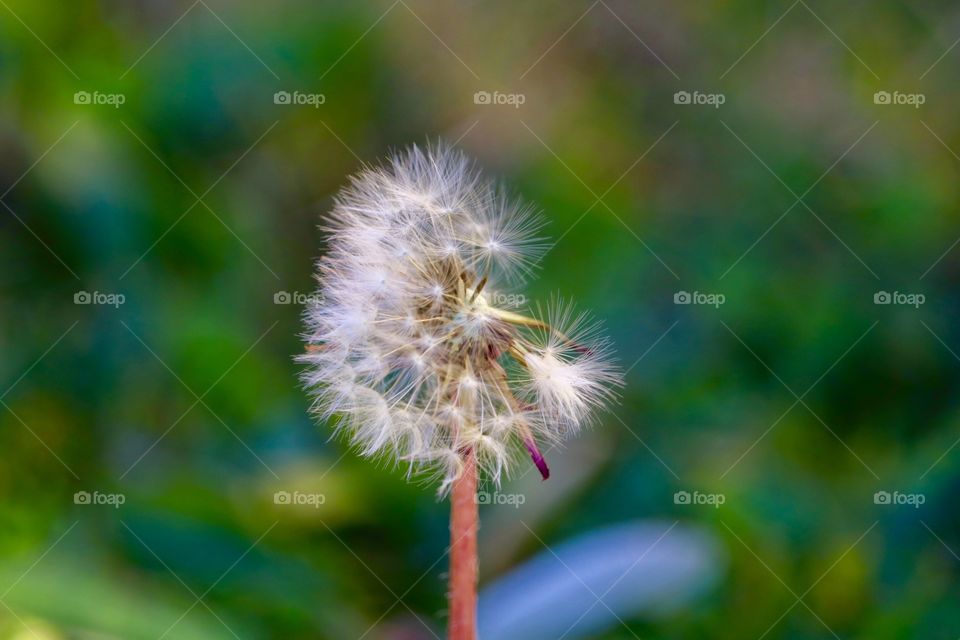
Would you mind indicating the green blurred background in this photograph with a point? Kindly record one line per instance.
(798, 199)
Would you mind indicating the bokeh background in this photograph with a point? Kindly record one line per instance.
(183, 199)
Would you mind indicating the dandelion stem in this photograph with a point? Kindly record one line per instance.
(464, 522)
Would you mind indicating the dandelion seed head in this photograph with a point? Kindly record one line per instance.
(405, 352)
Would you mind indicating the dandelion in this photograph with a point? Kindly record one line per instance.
(410, 355)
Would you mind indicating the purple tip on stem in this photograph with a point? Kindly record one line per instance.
(538, 458)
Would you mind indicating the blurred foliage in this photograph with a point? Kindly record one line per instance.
(197, 199)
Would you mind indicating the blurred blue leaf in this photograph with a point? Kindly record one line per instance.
(581, 587)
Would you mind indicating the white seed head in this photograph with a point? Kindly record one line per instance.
(407, 352)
